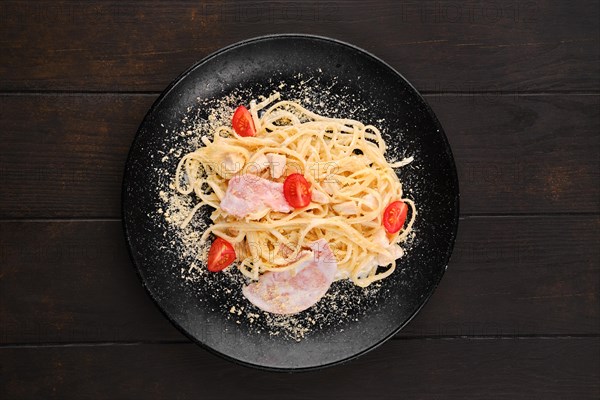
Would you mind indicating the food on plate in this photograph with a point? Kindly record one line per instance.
(299, 201)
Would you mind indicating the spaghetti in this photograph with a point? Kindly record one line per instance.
(344, 162)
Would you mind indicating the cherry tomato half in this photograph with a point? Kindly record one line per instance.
(394, 216)
(242, 122)
(296, 191)
(220, 255)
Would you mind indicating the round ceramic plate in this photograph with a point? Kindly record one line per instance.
(328, 77)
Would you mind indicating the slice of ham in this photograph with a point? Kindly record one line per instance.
(249, 194)
(292, 291)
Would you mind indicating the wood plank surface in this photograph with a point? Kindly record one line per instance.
(64, 156)
(462, 369)
(516, 86)
(69, 282)
(543, 45)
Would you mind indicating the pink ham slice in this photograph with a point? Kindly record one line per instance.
(248, 194)
(289, 292)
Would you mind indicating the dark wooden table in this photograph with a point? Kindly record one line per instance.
(516, 86)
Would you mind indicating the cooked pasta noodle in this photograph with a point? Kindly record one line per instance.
(341, 158)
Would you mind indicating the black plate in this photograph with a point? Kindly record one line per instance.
(344, 81)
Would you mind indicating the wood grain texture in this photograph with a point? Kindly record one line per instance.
(543, 45)
(412, 369)
(63, 156)
(516, 86)
(69, 282)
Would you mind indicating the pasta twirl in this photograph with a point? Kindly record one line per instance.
(344, 162)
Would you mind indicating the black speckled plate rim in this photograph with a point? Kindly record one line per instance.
(316, 38)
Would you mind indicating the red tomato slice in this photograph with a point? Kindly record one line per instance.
(242, 122)
(394, 216)
(220, 255)
(296, 191)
